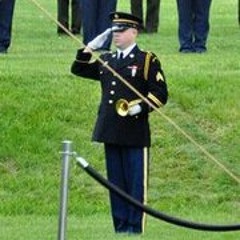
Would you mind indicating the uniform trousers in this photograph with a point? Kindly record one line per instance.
(6, 16)
(96, 19)
(127, 168)
(73, 24)
(152, 13)
(193, 24)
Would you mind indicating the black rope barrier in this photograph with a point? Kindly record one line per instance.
(162, 216)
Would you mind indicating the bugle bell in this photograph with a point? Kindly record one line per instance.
(122, 106)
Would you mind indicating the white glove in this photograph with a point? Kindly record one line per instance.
(98, 41)
(134, 110)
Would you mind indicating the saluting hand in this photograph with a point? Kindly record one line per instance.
(98, 41)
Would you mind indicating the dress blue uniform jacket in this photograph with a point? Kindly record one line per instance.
(143, 71)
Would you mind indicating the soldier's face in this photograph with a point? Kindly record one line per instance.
(124, 39)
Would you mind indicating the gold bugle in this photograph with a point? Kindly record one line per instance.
(122, 106)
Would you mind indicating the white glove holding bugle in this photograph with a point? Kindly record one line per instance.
(135, 109)
(98, 41)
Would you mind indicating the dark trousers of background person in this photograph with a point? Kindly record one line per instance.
(6, 16)
(127, 168)
(96, 19)
(152, 13)
(73, 24)
(239, 12)
(193, 26)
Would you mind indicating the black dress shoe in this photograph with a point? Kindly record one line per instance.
(75, 31)
(120, 226)
(61, 31)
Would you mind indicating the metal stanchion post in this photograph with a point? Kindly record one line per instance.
(64, 190)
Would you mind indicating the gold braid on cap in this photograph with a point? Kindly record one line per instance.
(125, 21)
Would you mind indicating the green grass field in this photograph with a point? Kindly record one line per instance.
(42, 104)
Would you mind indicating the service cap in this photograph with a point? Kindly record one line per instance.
(122, 21)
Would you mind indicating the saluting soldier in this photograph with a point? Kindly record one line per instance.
(122, 122)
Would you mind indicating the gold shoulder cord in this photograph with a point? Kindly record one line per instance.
(147, 64)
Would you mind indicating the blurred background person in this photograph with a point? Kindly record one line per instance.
(239, 12)
(64, 18)
(96, 19)
(6, 17)
(193, 25)
(152, 13)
